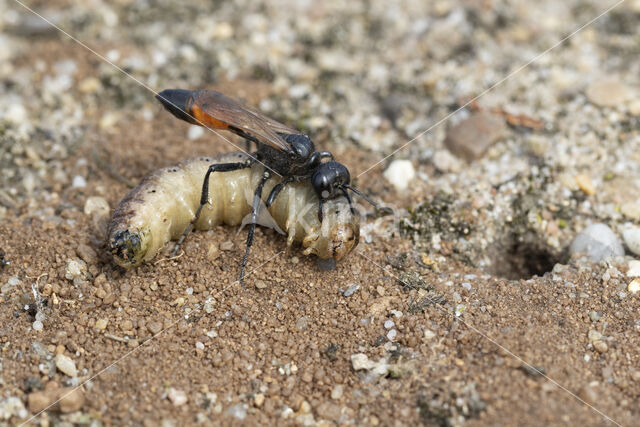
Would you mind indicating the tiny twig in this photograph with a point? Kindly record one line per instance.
(170, 258)
(115, 337)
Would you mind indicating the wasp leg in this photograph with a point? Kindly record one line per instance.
(316, 158)
(353, 210)
(320, 205)
(276, 190)
(257, 198)
(204, 197)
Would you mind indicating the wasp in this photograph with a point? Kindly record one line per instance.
(283, 151)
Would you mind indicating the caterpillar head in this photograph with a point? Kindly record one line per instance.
(128, 247)
(343, 238)
(338, 234)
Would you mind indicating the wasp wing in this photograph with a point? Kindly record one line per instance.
(241, 119)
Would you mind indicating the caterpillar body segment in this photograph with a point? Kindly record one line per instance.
(161, 207)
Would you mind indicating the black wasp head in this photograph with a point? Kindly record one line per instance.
(302, 146)
(329, 179)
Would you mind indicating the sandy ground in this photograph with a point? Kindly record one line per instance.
(468, 308)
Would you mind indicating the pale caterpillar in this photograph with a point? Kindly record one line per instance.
(161, 207)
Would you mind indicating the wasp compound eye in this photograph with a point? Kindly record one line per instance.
(329, 178)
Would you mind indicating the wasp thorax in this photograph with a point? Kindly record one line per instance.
(302, 145)
(329, 179)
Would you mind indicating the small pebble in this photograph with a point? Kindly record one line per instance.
(584, 183)
(634, 269)
(607, 92)
(12, 407)
(304, 407)
(195, 132)
(631, 210)
(75, 269)
(352, 289)
(328, 411)
(631, 236)
(598, 242)
(399, 174)
(213, 252)
(472, 137)
(37, 325)
(258, 400)
(601, 346)
(177, 397)
(226, 246)
(79, 182)
(239, 411)
(634, 286)
(87, 253)
(361, 361)
(199, 345)
(126, 325)
(97, 205)
(260, 284)
(389, 324)
(428, 334)
(391, 335)
(337, 392)
(154, 327)
(66, 365)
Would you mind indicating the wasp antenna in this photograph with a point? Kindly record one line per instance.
(384, 209)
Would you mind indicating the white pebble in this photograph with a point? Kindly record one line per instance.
(16, 113)
(75, 268)
(389, 324)
(361, 361)
(634, 286)
(78, 182)
(239, 410)
(97, 205)
(598, 242)
(66, 365)
(195, 132)
(199, 345)
(37, 325)
(399, 174)
(634, 269)
(12, 407)
(177, 397)
(391, 335)
(631, 236)
(337, 392)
